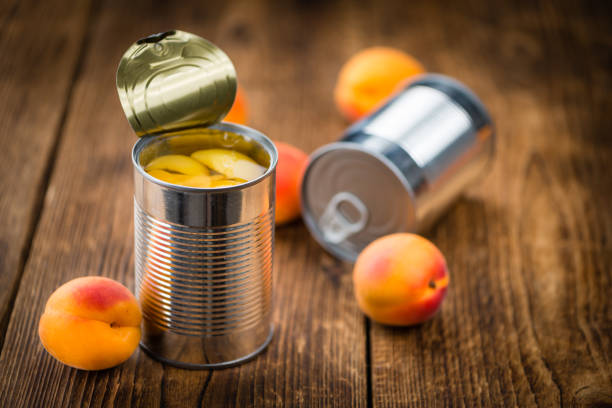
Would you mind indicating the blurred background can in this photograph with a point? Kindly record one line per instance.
(203, 257)
(399, 168)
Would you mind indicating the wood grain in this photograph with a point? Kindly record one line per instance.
(318, 353)
(528, 319)
(40, 43)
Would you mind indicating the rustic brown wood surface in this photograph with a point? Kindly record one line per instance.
(41, 47)
(528, 318)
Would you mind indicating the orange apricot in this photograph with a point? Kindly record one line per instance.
(400, 279)
(91, 323)
(370, 77)
(289, 172)
(239, 113)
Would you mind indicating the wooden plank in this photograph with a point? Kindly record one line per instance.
(40, 42)
(318, 352)
(528, 318)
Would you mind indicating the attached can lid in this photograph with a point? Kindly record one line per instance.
(351, 196)
(175, 80)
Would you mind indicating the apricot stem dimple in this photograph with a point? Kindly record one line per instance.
(441, 282)
(432, 284)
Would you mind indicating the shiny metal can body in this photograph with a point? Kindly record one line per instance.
(399, 168)
(203, 258)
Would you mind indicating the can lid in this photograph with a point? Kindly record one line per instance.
(351, 196)
(175, 80)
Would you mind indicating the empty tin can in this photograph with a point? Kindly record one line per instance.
(203, 256)
(399, 168)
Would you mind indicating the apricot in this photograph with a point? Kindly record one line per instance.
(230, 163)
(177, 163)
(173, 178)
(202, 181)
(91, 323)
(369, 77)
(226, 182)
(239, 113)
(400, 279)
(289, 172)
(232, 168)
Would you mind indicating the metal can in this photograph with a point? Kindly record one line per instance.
(203, 256)
(399, 168)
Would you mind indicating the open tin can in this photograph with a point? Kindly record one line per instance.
(203, 256)
(399, 168)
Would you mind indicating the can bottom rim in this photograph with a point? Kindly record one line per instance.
(217, 366)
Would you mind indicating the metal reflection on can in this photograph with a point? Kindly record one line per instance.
(399, 168)
(203, 257)
(174, 80)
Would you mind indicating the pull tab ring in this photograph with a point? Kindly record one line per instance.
(335, 225)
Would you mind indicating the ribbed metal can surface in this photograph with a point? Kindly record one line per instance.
(203, 257)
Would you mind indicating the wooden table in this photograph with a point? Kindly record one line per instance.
(528, 318)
